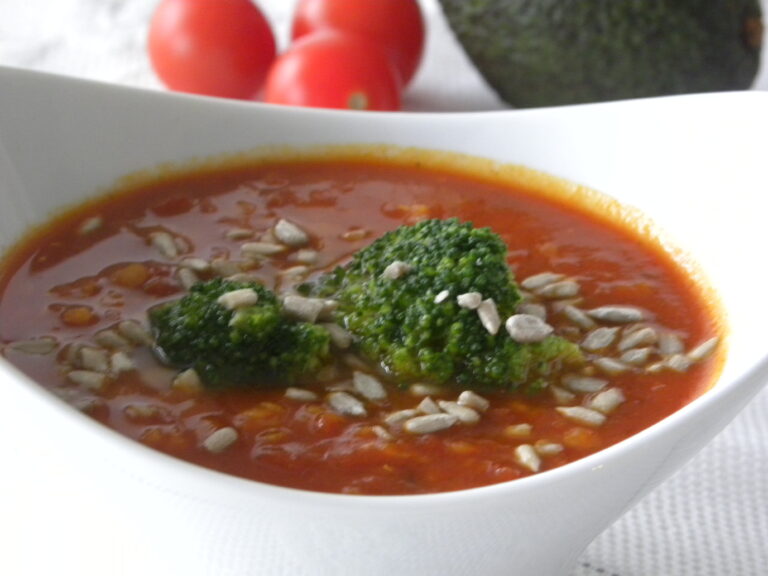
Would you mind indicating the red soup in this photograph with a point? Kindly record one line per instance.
(75, 296)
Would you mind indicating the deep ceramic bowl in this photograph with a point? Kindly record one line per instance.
(79, 498)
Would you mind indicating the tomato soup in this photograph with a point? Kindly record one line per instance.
(75, 295)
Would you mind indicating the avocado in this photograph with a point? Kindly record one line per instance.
(553, 52)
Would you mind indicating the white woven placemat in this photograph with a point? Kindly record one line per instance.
(711, 519)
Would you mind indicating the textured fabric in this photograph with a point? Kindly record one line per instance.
(711, 519)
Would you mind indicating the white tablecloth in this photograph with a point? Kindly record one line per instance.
(710, 519)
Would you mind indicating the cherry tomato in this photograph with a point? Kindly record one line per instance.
(396, 24)
(211, 47)
(334, 70)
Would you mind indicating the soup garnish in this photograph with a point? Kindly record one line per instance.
(357, 326)
(427, 302)
(385, 303)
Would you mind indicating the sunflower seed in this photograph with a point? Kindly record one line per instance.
(578, 317)
(582, 415)
(599, 338)
(518, 430)
(396, 418)
(610, 366)
(559, 290)
(41, 346)
(526, 456)
(584, 384)
(396, 269)
(617, 314)
(257, 250)
(187, 381)
(670, 343)
(646, 336)
(87, 379)
(294, 272)
(473, 400)
(420, 389)
(71, 354)
(429, 423)
(678, 362)
(465, 414)
(300, 394)
(545, 448)
(428, 406)
(538, 281)
(301, 308)
(220, 440)
(290, 234)
(239, 234)
(187, 277)
(561, 395)
(526, 328)
(307, 256)
(469, 300)
(236, 299)
(165, 244)
(195, 264)
(368, 386)
(442, 296)
(636, 356)
(607, 401)
(489, 316)
(704, 349)
(121, 362)
(135, 332)
(346, 404)
(110, 338)
(94, 359)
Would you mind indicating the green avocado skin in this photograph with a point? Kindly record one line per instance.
(555, 52)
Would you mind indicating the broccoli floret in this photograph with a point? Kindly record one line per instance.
(397, 323)
(251, 345)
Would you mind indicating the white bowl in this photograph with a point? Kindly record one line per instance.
(78, 498)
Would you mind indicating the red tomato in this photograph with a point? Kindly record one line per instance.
(334, 70)
(211, 47)
(396, 24)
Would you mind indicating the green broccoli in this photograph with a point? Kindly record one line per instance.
(249, 345)
(398, 323)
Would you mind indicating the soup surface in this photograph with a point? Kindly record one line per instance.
(75, 295)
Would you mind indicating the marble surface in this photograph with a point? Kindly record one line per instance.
(710, 519)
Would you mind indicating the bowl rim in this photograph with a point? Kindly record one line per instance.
(251, 488)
